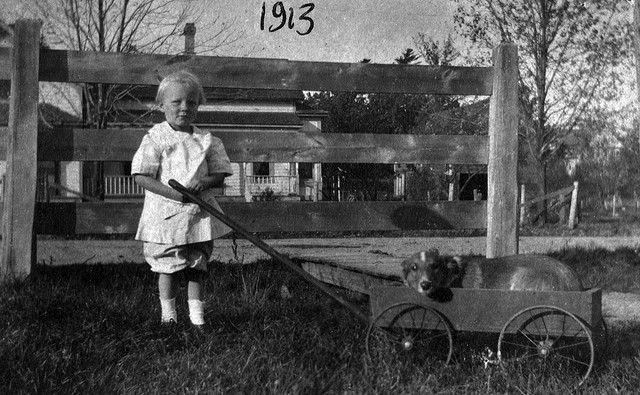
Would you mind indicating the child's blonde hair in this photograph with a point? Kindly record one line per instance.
(181, 77)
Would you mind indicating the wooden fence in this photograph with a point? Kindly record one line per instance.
(557, 199)
(26, 64)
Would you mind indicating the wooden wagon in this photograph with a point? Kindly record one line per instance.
(538, 331)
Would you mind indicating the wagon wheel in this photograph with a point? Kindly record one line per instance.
(408, 332)
(545, 339)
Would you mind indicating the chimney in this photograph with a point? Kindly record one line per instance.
(190, 39)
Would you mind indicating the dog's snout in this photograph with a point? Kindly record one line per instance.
(425, 285)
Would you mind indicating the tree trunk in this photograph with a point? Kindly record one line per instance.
(636, 42)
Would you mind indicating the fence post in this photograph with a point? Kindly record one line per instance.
(18, 242)
(523, 207)
(574, 206)
(502, 200)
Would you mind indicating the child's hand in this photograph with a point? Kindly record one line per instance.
(196, 186)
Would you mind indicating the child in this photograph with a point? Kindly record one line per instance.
(178, 236)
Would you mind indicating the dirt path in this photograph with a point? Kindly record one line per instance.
(617, 307)
(65, 252)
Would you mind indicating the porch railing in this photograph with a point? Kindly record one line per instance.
(125, 186)
(280, 185)
(117, 186)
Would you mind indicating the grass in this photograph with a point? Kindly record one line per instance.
(595, 224)
(94, 329)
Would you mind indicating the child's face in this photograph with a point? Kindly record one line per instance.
(180, 106)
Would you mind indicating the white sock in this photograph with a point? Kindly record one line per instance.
(196, 311)
(169, 310)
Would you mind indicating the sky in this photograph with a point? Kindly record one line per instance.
(343, 30)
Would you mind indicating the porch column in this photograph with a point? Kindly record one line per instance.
(316, 173)
(245, 188)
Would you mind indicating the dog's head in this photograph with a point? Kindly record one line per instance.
(428, 272)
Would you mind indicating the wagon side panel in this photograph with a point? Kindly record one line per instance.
(484, 310)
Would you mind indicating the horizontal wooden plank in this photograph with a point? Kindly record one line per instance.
(347, 279)
(121, 144)
(488, 310)
(109, 218)
(549, 196)
(260, 73)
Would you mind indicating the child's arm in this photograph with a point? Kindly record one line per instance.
(207, 182)
(152, 185)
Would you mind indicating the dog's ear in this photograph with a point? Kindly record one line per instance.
(456, 267)
(456, 262)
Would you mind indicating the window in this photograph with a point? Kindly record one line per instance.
(305, 170)
(261, 169)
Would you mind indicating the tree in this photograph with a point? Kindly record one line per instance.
(384, 113)
(126, 26)
(436, 117)
(610, 162)
(142, 26)
(636, 44)
(436, 53)
(408, 57)
(571, 56)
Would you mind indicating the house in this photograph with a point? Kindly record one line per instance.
(230, 110)
(226, 110)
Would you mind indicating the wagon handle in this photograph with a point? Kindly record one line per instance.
(266, 248)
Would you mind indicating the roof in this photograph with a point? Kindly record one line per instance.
(51, 114)
(55, 116)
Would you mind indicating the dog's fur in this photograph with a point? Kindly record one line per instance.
(428, 272)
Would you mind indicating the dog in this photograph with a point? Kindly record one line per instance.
(430, 273)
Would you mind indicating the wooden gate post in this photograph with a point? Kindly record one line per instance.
(574, 206)
(18, 244)
(502, 199)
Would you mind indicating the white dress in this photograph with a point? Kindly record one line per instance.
(165, 154)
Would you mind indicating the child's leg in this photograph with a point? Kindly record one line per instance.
(195, 291)
(168, 287)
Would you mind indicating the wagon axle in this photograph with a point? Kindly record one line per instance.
(545, 347)
(407, 343)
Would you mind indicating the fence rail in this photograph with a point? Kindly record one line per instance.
(275, 216)
(68, 144)
(26, 64)
(257, 73)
